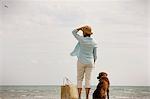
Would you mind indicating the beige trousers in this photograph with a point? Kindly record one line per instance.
(84, 70)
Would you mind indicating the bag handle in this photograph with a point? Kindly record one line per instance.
(68, 82)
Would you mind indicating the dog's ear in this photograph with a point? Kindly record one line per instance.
(99, 76)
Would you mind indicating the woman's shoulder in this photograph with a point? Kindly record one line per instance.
(94, 42)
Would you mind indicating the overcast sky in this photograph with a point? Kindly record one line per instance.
(36, 40)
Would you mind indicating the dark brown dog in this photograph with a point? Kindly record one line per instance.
(102, 89)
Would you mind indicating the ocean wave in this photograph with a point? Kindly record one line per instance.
(122, 97)
(38, 97)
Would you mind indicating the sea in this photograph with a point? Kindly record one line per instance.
(54, 92)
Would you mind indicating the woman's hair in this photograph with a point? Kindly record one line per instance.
(86, 35)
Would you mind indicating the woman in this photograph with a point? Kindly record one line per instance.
(86, 51)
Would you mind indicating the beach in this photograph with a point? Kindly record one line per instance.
(53, 92)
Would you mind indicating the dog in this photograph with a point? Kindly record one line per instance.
(102, 89)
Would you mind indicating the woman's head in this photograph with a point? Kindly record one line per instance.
(87, 31)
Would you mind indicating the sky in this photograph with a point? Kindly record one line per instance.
(36, 40)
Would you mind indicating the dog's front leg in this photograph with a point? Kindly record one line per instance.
(107, 93)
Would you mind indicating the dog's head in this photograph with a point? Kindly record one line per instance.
(102, 74)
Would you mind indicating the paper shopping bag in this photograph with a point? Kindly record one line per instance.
(69, 91)
(73, 91)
